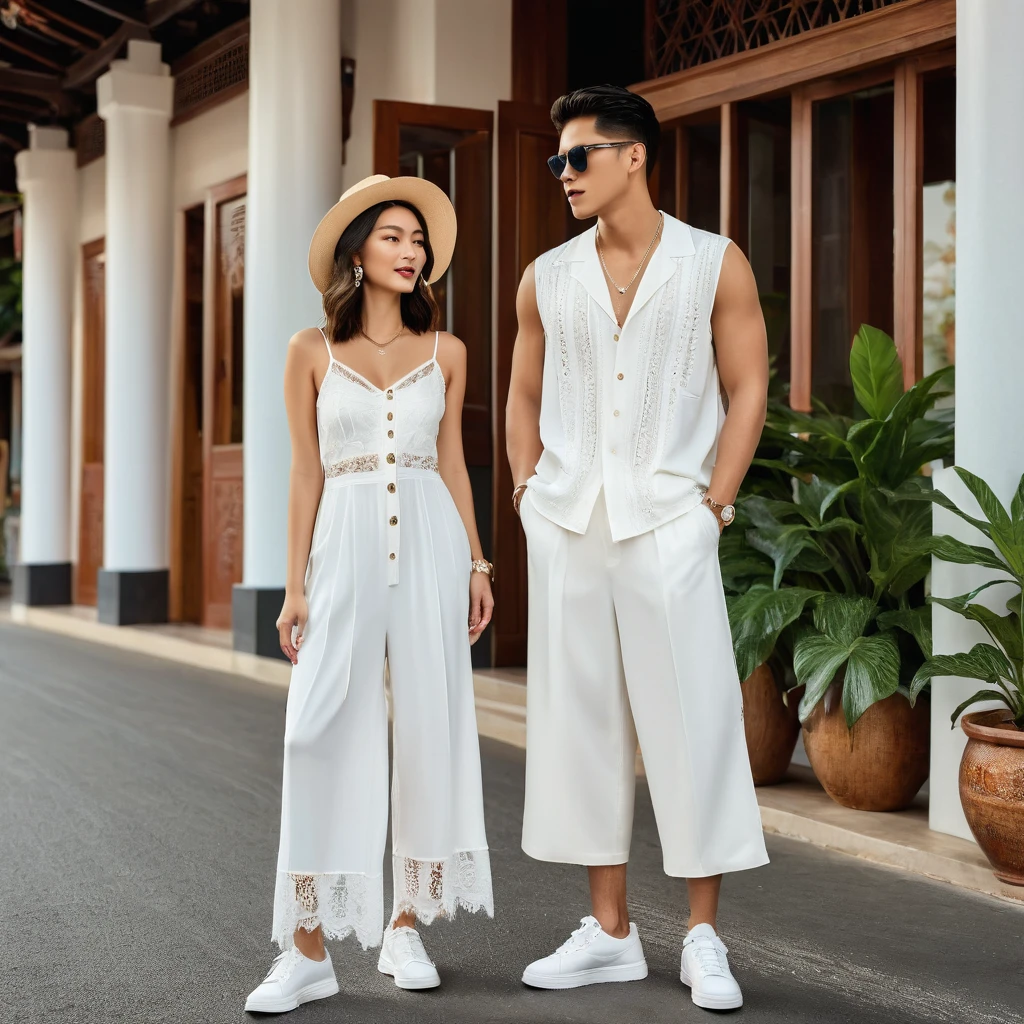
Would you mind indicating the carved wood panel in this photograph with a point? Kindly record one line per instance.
(222, 557)
(684, 33)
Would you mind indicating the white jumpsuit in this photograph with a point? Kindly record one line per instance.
(388, 573)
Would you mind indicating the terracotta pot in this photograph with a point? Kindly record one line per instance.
(992, 790)
(879, 764)
(771, 727)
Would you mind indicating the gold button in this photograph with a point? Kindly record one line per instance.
(616, 413)
(615, 337)
(391, 433)
(392, 556)
(391, 488)
(620, 376)
(391, 458)
(394, 520)
(391, 415)
(391, 395)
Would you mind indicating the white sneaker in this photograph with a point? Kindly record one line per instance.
(589, 956)
(705, 969)
(293, 979)
(403, 957)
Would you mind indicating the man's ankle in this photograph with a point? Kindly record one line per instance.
(614, 924)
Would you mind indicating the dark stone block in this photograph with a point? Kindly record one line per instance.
(254, 612)
(132, 598)
(42, 584)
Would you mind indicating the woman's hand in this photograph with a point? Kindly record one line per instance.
(481, 604)
(294, 613)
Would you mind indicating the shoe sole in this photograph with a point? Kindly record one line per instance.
(319, 990)
(415, 985)
(595, 976)
(710, 1002)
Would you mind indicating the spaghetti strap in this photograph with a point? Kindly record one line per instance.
(437, 338)
(330, 354)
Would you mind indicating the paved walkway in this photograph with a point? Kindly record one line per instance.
(139, 806)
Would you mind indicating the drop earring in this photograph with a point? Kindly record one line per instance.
(357, 272)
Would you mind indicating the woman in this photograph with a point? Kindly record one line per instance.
(384, 560)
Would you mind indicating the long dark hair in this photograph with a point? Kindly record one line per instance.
(343, 301)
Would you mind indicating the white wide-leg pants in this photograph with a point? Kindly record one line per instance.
(626, 641)
(334, 806)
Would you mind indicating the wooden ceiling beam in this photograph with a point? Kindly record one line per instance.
(31, 83)
(43, 10)
(26, 51)
(117, 10)
(159, 11)
(91, 66)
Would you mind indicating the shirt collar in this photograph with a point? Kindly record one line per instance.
(581, 253)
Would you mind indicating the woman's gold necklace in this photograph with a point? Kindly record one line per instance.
(622, 290)
(382, 346)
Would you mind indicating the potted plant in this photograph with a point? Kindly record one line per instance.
(992, 767)
(848, 557)
(769, 707)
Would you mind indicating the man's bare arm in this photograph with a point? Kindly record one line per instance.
(741, 349)
(522, 413)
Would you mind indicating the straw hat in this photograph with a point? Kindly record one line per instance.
(434, 206)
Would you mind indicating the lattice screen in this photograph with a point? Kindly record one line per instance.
(685, 33)
(90, 139)
(205, 79)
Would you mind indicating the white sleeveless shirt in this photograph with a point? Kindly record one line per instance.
(637, 409)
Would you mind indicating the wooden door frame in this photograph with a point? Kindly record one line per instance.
(88, 251)
(390, 115)
(233, 188)
(899, 44)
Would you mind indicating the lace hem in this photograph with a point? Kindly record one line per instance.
(341, 904)
(432, 889)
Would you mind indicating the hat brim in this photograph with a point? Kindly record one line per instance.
(434, 206)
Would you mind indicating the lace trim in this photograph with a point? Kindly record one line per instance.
(410, 461)
(423, 371)
(355, 464)
(341, 904)
(432, 889)
(343, 371)
(648, 435)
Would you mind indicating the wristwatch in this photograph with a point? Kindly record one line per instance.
(726, 513)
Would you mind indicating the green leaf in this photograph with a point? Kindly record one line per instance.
(835, 493)
(949, 549)
(871, 673)
(982, 661)
(975, 699)
(876, 371)
(843, 618)
(1003, 629)
(1002, 531)
(758, 617)
(915, 621)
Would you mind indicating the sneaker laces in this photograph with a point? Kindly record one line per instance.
(407, 941)
(710, 954)
(283, 964)
(581, 937)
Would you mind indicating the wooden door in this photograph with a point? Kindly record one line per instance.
(222, 400)
(533, 217)
(90, 514)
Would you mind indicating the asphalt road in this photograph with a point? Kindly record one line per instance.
(139, 807)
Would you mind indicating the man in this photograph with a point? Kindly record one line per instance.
(626, 466)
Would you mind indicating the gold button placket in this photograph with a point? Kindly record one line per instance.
(389, 448)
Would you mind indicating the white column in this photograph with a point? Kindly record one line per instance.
(135, 98)
(47, 177)
(989, 352)
(294, 178)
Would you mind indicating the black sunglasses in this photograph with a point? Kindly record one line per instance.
(577, 156)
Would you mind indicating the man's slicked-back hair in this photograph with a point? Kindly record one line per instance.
(618, 112)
